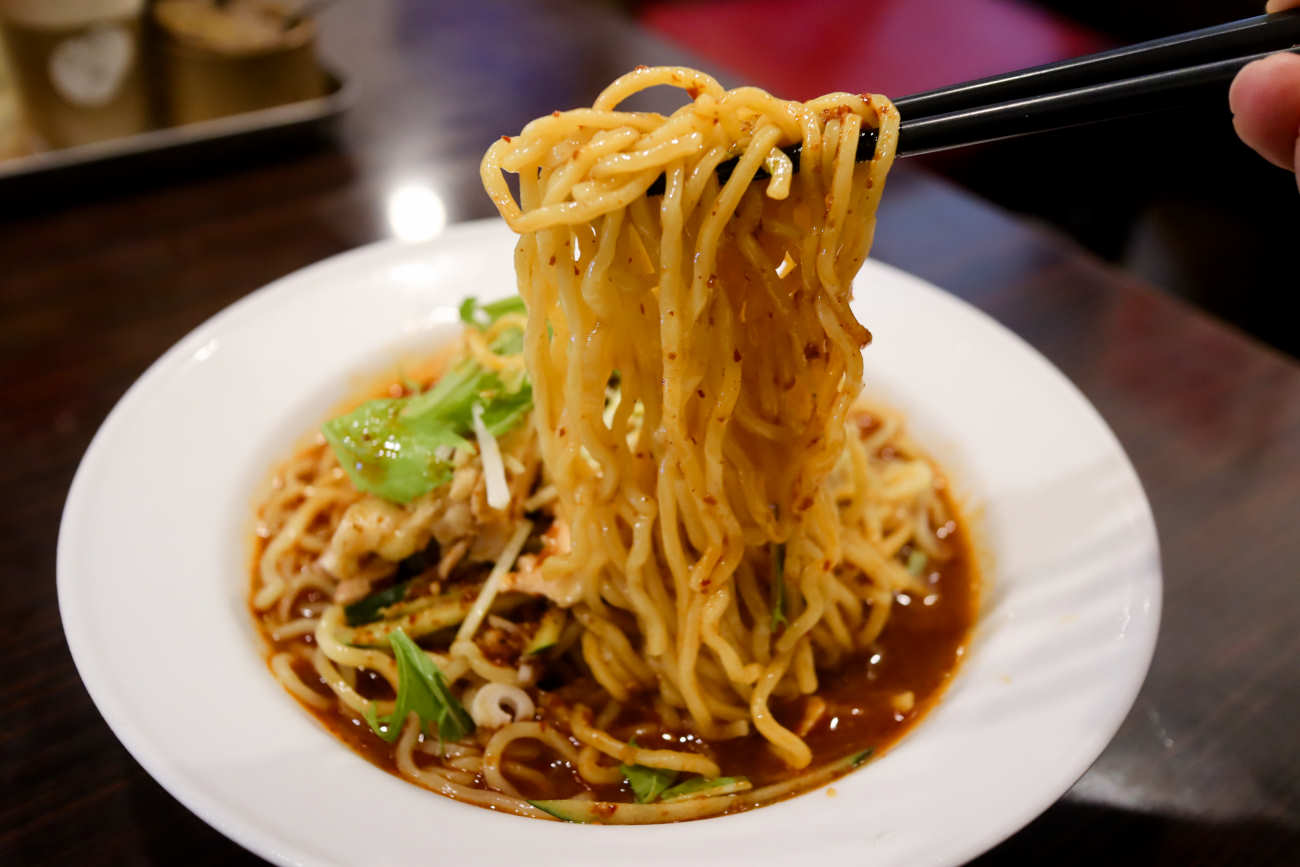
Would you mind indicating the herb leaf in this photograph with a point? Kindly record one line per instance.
(396, 448)
(647, 783)
(420, 688)
(368, 609)
(778, 585)
(858, 758)
(482, 316)
(386, 457)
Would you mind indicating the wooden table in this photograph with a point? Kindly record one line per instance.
(1206, 770)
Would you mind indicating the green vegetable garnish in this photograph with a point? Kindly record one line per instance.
(555, 808)
(368, 609)
(699, 784)
(397, 448)
(482, 316)
(916, 561)
(778, 585)
(420, 688)
(858, 758)
(647, 783)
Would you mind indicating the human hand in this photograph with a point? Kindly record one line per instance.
(1265, 102)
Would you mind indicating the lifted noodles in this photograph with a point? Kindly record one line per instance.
(736, 382)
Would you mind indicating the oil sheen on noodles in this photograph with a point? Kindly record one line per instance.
(743, 379)
(695, 507)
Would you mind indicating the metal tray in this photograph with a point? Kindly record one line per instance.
(291, 117)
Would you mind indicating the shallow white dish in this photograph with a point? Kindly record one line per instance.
(152, 580)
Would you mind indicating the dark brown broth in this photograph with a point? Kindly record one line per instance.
(919, 651)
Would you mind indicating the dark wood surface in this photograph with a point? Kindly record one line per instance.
(97, 281)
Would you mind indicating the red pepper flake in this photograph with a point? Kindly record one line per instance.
(560, 432)
(700, 392)
(735, 355)
(552, 262)
(672, 356)
(506, 139)
(710, 500)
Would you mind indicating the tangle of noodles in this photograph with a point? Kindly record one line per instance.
(697, 497)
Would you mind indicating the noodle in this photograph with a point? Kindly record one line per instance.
(693, 526)
(734, 361)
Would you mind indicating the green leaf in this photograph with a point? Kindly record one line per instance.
(647, 783)
(503, 412)
(778, 585)
(420, 688)
(482, 316)
(508, 342)
(451, 396)
(858, 758)
(369, 609)
(696, 785)
(916, 561)
(386, 457)
(391, 447)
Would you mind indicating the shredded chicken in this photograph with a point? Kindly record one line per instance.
(530, 577)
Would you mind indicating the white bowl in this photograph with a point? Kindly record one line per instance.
(153, 555)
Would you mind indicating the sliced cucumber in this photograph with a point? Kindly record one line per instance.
(699, 787)
(548, 631)
(609, 813)
(560, 810)
(421, 617)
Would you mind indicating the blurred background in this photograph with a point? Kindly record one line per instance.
(1175, 199)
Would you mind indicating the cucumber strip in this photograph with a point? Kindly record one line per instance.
(702, 788)
(440, 613)
(808, 780)
(609, 813)
(548, 631)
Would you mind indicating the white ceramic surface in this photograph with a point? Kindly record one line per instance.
(152, 578)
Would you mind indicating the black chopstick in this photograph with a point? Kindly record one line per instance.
(1263, 33)
(1147, 77)
(1141, 94)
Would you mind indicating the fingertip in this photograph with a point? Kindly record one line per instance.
(1265, 103)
